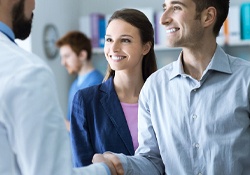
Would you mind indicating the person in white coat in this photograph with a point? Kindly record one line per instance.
(34, 139)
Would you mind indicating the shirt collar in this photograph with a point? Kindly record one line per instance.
(7, 31)
(81, 78)
(219, 62)
(177, 67)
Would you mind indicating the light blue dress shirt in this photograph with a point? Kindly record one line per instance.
(7, 31)
(190, 127)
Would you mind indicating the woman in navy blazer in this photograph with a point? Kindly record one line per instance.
(98, 121)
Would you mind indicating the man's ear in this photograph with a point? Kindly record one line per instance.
(208, 16)
(83, 55)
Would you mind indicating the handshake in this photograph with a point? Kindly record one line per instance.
(111, 160)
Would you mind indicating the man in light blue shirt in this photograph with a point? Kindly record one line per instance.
(194, 114)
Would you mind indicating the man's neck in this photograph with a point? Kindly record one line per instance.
(86, 68)
(196, 61)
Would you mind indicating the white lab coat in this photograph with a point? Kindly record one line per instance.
(33, 137)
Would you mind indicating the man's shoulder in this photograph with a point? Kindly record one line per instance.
(94, 78)
(97, 75)
(21, 58)
(15, 60)
(161, 73)
(239, 64)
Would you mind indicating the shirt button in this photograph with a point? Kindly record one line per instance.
(196, 145)
(194, 116)
(195, 90)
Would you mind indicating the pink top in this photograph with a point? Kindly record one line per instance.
(131, 115)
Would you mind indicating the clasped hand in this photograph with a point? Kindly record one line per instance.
(111, 160)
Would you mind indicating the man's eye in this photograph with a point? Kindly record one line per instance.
(176, 8)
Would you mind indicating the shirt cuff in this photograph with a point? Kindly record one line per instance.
(123, 160)
(107, 168)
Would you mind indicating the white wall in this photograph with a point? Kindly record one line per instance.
(64, 15)
(109, 6)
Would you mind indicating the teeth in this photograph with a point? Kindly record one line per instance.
(116, 58)
(171, 30)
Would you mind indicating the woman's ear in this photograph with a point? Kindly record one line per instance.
(146, 48)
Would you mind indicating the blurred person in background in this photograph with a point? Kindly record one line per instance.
(76, 52)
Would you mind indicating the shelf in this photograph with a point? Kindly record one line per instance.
(98, 50)
(240, 43)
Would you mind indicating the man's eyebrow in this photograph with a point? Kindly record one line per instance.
(175, 2)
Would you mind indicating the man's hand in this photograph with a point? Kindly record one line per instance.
(112, 161)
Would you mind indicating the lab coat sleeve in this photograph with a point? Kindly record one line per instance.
(36, 129)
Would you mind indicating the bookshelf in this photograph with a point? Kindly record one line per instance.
(164, 55)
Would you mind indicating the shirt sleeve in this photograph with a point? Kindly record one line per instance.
(93, 169)
(138, 165)
(106, 168)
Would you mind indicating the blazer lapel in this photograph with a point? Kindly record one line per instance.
(112, 107)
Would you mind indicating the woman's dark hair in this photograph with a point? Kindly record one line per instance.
(139, 20)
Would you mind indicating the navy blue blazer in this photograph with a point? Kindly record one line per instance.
(98, 124)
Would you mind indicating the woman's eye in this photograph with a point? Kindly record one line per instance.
(126, 40)
(108, 40)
